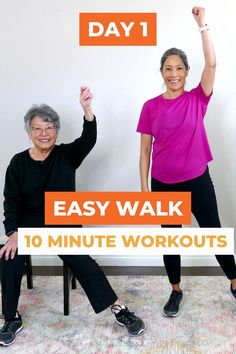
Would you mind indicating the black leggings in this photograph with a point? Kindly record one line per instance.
(85, 269)
(204, 208)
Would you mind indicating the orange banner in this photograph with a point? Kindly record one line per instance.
(117, 208)
(117, 29)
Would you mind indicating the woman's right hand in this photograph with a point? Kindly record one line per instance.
(10, 248)
(85, 101)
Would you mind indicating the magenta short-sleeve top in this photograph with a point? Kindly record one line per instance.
(180, 148)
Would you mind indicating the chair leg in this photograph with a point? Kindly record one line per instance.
(66, 289)
(73, 281)
(29, 274)
(2, 315)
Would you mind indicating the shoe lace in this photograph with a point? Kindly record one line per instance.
(129, 316)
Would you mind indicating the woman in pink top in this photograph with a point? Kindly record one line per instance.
(172, 124)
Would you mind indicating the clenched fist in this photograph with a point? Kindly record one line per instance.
(199, 15)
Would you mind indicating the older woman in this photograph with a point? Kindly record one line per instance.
(50, 167)
(172, 124)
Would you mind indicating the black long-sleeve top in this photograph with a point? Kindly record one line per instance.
(27, 180)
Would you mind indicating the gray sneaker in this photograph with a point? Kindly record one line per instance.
(9, 330)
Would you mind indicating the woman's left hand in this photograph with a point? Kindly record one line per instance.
(199, 15)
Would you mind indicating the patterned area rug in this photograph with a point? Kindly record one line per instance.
(207, 323)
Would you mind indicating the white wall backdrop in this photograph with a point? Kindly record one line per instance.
(41, 61)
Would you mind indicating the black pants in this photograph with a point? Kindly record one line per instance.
(85, 269)
(204, 208)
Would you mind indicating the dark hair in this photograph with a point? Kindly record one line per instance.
(174, 51)
(45, 112)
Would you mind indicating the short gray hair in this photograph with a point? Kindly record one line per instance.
(174, 51)
(45, 112)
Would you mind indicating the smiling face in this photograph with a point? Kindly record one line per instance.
(174, 74)
(42, 134)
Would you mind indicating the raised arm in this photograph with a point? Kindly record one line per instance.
(144, 164)
(80, 147)
(208, 74)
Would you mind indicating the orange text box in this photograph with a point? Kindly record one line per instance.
(117, 29)
(114, 208)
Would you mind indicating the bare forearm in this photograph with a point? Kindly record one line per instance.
(208, 74)
(144, 166)
(88, 113)
(208, 49)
